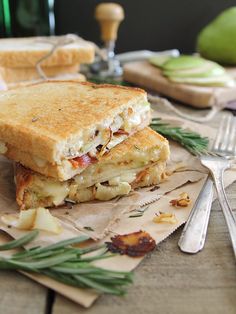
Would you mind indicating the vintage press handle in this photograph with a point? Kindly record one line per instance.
(109, 17)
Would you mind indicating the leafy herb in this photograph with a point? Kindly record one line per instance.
(67, 264)
(20, 242)
(98, 80)
(136, 215)
(138, 148)
(88, 228)
(192, 141)
(156, 187)
(139, 212)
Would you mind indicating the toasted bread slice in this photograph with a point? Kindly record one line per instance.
(138, 161)
(58, 128)
(15, 75)
(26, 52)
(77, 77)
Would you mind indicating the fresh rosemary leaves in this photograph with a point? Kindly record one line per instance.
(192, 141)
(67, 264)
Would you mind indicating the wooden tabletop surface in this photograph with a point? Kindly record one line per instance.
(167, 281)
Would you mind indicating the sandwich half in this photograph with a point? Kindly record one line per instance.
(137, 162)
(15, 75)
(27, 51)
(59, 128)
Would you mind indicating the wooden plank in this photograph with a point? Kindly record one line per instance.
(18, 294)
(169, 281)
(143, 74)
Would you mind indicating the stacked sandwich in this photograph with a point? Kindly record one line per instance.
(59, 57)
(79, 142)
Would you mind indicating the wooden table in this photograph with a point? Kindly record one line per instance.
(167, 281)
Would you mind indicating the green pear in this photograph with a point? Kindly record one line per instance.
(219, 81)
(217, 41)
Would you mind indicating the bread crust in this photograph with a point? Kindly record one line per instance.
(39, 119)
(26, 52)
(77, 77)
(14, 75)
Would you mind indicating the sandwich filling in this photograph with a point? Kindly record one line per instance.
(35, 190)
(138, 161)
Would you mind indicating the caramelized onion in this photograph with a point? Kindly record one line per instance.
(121, 132)
(133, 244)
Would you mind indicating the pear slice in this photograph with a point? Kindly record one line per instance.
(183, 62)
(159, 60)
(24, 221)
(45, 221)
(208, 69)
(220, 81)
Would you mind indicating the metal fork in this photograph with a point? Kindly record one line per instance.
(193, 237)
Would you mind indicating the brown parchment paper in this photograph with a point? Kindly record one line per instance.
(109, 218)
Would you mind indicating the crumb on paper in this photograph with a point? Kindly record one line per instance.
(154, 188)
(134, 244)
(165, 218)
(182, 201)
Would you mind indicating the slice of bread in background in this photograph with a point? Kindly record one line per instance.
(26, 52)
(15, 75)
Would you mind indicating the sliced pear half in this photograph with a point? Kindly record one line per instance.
(159, 60)
(207, 69)
(182, 63)
(220, 81)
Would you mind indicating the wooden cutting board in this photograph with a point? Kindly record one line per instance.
(145, 75)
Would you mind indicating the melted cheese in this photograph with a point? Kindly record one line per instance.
(105, 193)
(55, 190)
(127, 176)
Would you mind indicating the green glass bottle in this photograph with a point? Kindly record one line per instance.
(22, 18)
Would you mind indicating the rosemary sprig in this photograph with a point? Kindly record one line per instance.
(192, 141)
(67, 264)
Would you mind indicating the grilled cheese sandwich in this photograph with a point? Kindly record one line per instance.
(60, 128)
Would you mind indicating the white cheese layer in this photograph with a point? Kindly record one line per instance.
(128, 120)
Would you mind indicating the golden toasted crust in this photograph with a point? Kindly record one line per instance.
(39, 118)
(77, 77)
(26, 52)
(24, 178)
(14, 75)
(140, 141)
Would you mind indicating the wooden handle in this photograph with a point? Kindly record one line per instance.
(109, 16)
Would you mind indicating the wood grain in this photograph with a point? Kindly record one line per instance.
(20, 295)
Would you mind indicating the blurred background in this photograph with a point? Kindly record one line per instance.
(149, 24)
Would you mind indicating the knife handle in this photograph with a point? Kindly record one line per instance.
(109, 16)
(193, 236)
